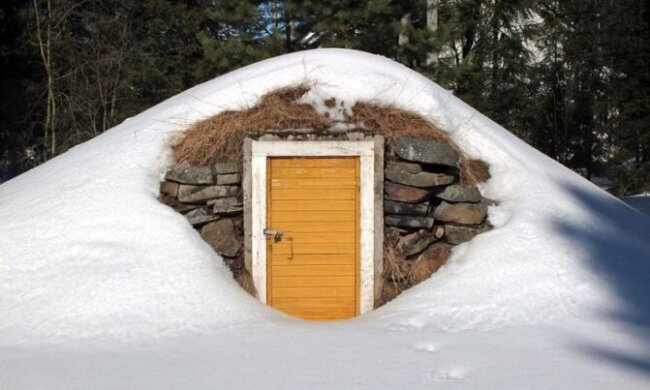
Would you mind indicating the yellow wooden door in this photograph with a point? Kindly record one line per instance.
(313, 269)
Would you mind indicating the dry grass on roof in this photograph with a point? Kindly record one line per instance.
(220, 137)
(392, 122)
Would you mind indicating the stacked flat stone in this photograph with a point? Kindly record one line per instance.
(210, 198)
(426, 209)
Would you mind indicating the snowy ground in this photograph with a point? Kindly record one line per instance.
(361, 355)
(101, 286)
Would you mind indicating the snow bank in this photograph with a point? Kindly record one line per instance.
(87, 251)
(640, 202)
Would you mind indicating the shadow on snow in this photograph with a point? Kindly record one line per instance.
(618, 250)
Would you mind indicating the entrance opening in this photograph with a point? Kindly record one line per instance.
(315, 223)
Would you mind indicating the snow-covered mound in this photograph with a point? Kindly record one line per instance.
(87, 251)
(640, 202)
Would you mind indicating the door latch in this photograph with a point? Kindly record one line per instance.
(276, 234)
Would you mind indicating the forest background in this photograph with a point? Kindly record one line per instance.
(570, 77)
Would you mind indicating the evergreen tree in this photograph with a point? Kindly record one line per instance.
(628, 46)
(485, 59)
(570, 77)
(16, 68)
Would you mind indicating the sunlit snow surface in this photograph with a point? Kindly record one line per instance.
(102, 287)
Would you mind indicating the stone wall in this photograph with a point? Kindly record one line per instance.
(210, 198)
(426, 211)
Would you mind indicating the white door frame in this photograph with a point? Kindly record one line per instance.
(365, 150)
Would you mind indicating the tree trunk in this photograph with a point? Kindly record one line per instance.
(403, 37)
(288, 32)
(432, 25)
(44, 37)
(495, 49)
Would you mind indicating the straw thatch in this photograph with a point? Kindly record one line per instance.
(220, 137)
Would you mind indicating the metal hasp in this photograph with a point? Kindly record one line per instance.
(277, 234)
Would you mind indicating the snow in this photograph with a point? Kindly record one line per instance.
(308, 356)
(640, 202)
(103, 287)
